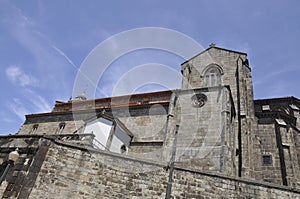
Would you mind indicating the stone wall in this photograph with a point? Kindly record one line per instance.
(196, 184)
(50, 127)
(268, 145)
(205, 138)
(228, 61)
(146, 128)
(290, 155)
(74, 173)
(22, 174)
(71, 172)
(280, 143)
(234, 143)
(236, 73)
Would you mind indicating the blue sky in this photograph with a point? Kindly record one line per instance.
(43, 44)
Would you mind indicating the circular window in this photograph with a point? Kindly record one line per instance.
(198, 100)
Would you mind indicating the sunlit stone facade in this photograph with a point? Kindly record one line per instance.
(209, 138)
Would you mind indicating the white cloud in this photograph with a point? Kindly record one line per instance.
(40, 104)
(17, 107)
(50, 64)
(17, 76)
(34, 102)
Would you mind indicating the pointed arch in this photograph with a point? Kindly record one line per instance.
(212, 75)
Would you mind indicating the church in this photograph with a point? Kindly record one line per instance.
(207, 139)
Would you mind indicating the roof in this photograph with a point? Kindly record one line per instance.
(134, 100)
(279, 99)
(211, 47)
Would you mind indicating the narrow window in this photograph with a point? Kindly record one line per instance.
(267, 160)
(123, 149)
(207, 80)
(61, 127)
(218, 78)
(212, 77)
(34, 129)
(265, 107)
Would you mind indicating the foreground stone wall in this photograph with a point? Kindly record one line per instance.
(195, 184)
(71, 172)
(22, 175)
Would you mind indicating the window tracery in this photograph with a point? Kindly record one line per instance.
(212, 77)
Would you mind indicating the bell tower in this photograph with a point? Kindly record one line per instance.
(215, 135)
(221, 67)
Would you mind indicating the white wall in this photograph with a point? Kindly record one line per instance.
(120, 138)
(101, 129)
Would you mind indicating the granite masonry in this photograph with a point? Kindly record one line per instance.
(208, 139)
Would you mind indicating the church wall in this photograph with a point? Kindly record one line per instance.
(148, 130)
(205, 138)
(278, 142)
(236, 73)
(296, 135)
(297, 115)
(290, 154)
(50, 127)
(147, 150)
(270, 172)
(296, 138)
(227, 60)
(146, 127)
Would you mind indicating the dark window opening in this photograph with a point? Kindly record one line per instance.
(123, 148)
(61, 127)
(267, 160)
(34, 128)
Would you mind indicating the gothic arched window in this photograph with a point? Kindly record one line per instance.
(212, 77)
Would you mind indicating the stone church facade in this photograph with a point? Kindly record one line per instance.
(208, 139)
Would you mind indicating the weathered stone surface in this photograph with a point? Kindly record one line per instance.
(105, 175)
(217, 135)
